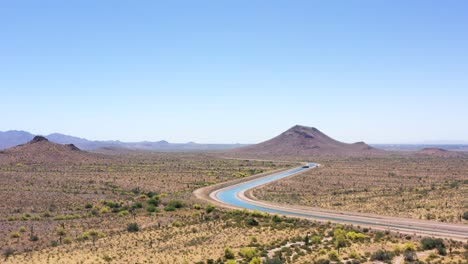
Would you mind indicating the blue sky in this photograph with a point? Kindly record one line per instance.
(235, 71)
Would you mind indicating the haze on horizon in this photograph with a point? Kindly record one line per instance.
(228, 72)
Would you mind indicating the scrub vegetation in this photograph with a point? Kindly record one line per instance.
(228, 236)
(44, 205)
(421, 188)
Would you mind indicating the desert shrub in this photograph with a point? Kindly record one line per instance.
(22, 229)
(397, 250)
(137, 205)
(230, 261)
(111, 204)
(15, 235)
(273, 261)
(256, 260)
(339, 237)
(209, 208)
(54, 243)
(133, 227)
(465, 215)
(333, 255)
(84, 236)
(104, 210)
(316, 240)
(409, 247)
(151, 208)
(197, 207)
(258, 214)
(248, 253)
(67, 240)
(378, 236)
(229, 253)
(353, 254)
(153, 201)
(276, 219)
(431, 243)
(322, 261)
(252, 222)
(382, 255)
(152, 194)
(176, 204)
(169, 208)
(123, 213)
(88, 206)
(177, 223)
(33, 238)
(410, 256)
(355, 236)
(442, 251)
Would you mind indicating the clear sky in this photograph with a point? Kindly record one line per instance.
(235, 71)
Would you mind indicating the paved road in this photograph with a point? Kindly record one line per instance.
(235, 196)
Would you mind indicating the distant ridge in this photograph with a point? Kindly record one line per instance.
(307, 141)
(439, 152)
(13, 138)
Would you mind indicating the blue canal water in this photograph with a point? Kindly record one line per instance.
(229, 195)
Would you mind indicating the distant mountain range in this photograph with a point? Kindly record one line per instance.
(13, 138)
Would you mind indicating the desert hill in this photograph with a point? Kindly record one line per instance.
(41, 150)
(438, 152)
(307, 141)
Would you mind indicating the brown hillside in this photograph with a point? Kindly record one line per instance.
(307, 141)
(41, 150)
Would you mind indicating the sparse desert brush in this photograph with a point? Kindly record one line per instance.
(412, 187)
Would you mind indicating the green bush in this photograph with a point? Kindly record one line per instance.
(176, 204)
(252, 222)
(428, 243)
(465, 215)
(275, 261)
(133, 227)
(137, 205)
(248, 253)
(123, 213)
(256, 260)
(209, 208)
(276, 219)
(153, 201)
(151, 208)
(169, 208)
(382, 255)
(228, 253)
(333, 255)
